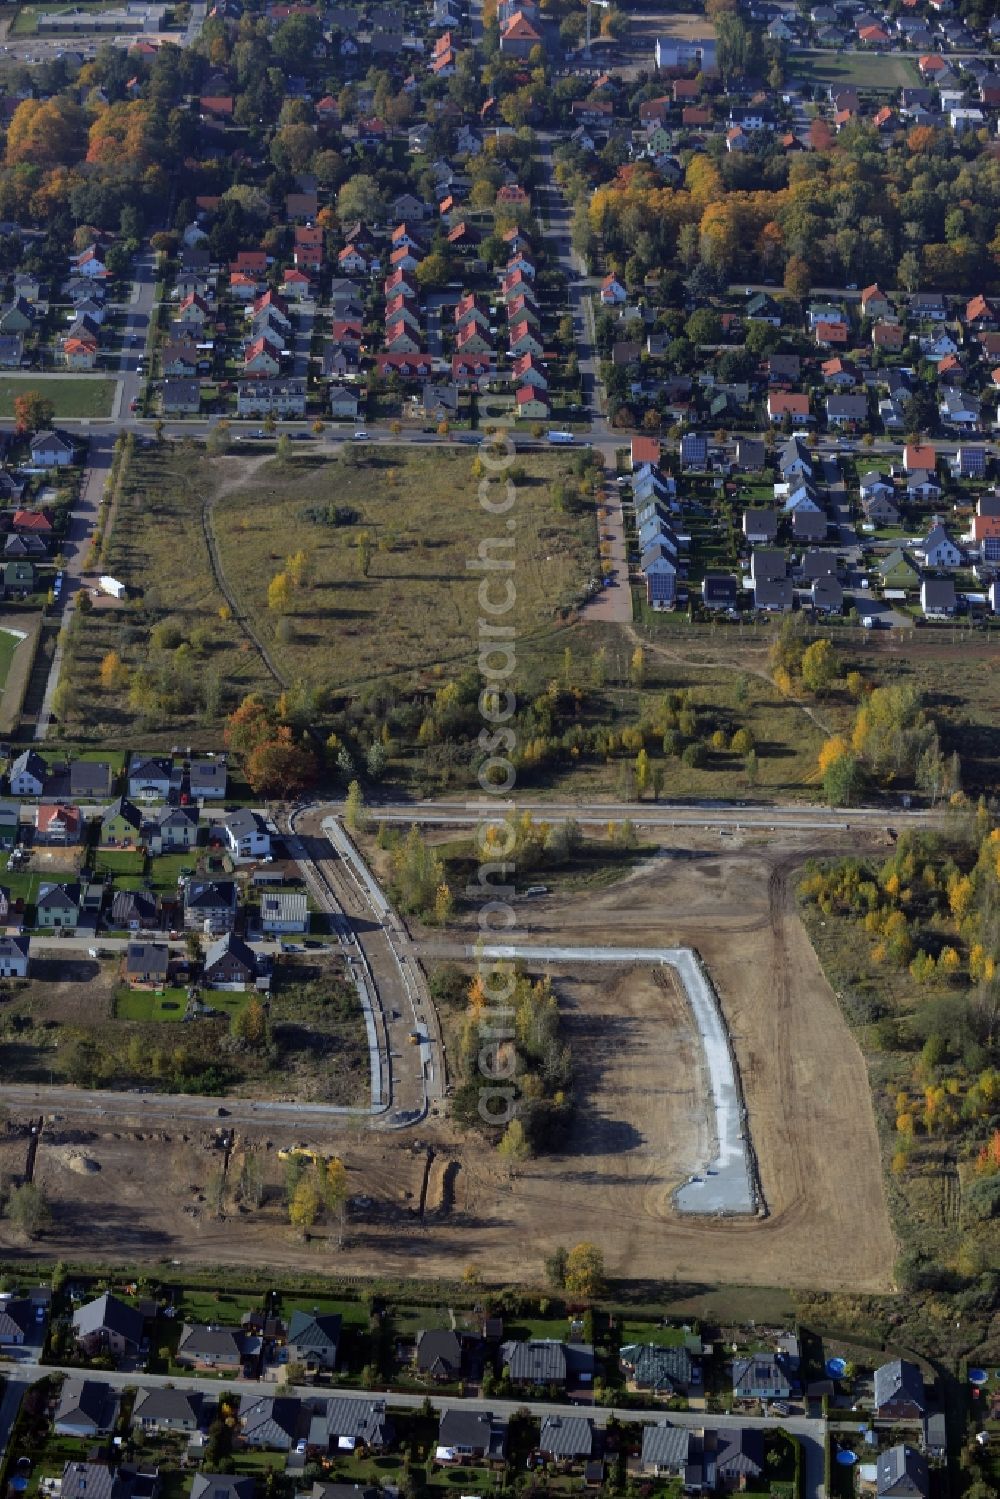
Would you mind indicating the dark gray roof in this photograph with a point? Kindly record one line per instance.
(208, 895)
(938, 593)
(902, 1473)
(232, 946)
(88, 1481)
(760, 523)
(108, 1314)
(666, 1446)
(222, 1486)
(359, 1420)
(541, 1361)
(147, 957)
(217, 1342)
(16, 1316)
(739, 1451)
(167, 1405)
(314, 1330)
(270, 1420)
(773, 593)
(132, 905)
(899, 1379)
(87, 1402)
(89, 777)
(567, 1436)
(652, 1365)
(478, 1430)
(439, 1351)
(761, 1376)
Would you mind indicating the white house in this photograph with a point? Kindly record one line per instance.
(939, 550)
(27, 774)
(246, 835)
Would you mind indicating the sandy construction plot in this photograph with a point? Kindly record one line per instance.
(640, 1125)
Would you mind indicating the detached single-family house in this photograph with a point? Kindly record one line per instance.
(108, 1326)
(761, 1376)
(245, 835)
(15, 963)
(58, 905)
(210, 1347)
(147, 964)
(168, 1410)
(27, 774)
(86, 1408)
(899, 1390)
(663, 1370)
(567, 1439)
(171, 829)
(901, 1473)
(231, 964)
(134, 911)
(270, 1421)
(121, 825)
(760, 527)
(17, 1318)
(58, 824)
(148, 778)
(439, 1353)
(937, 598)
(210, 905)
(465, 1433)
(52, 450)
(284, 911)
(939, 550)
(314, 1339)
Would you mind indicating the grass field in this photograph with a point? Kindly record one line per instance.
(26, 20)
(416, 609)
(865, 70)
(86, 396)
(9, 642)
(144, 1005)
(417, 606)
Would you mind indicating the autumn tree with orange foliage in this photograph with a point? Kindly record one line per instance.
(45, 133)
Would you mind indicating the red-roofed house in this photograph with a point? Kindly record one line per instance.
(874, 302)
(696, 116)
(399, 339)
(527, 372)
(931, 64)
(521, 340)
(409, 366)
(613, 292)
(781, 403)
(262, 358)
(889, 337)
(518, 36)
(873, 36)
(218, 107)
(531, 404)
(919, 457)
(307, 251)
(830, 335)
(37, 522)
(57, 823)
(250, 262)
(467, 368)
(645, 450)
(980, 313)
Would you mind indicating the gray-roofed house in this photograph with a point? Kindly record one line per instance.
(222, 1486)
(121, 825)
(89, 778)
(148, 778)
(774, 595)
(284, 911)
(108, 1325)
(809, 525)
(204, 1346)
(27, 774)
(246, 835)
(57, 905)
(901, 1473)
(171, 830)
(567, 1438)
(541, 1361)
(181, 396)
(314, 1338)
(147, 963)
(465, 1433)
(899, 1391)
(739, 1456)
(937, 598)
(15, 961)
(17, 1317)
(345, 1425)
(665, 1450)
(167, 1410)
(827, 595)
(86, 1408)
(207, 777)
(134, 911)
(270, 1421)
(760, 526)
(439, 1353)
(719, 590)
(751, 454)
(210, 905)
(231, 964)
(665, 1371)
(761, 1376)
(83, 1480)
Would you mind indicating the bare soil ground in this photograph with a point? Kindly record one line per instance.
(640, 1122)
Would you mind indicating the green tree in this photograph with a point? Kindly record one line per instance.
(355, 816)
(304, 1208)
(514, 1145)
(843, 781)
(28, 1210)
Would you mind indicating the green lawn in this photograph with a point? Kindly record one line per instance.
(119, 861)
(165, 870)
(9, 643)
(86, 395)
(649, 1332)
(146, 1005)
(868, 70)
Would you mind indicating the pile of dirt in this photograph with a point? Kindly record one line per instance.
(76, 1160)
